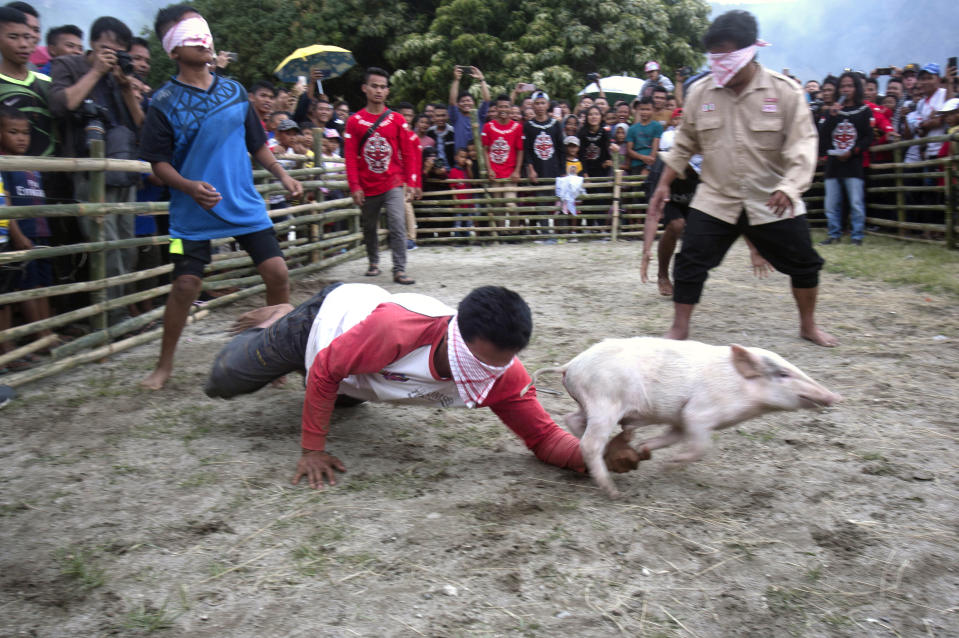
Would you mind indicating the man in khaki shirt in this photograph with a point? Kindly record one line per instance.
(753, 129)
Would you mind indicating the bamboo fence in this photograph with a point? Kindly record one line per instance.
(320, 233)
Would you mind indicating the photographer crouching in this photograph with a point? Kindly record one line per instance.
(95, 96)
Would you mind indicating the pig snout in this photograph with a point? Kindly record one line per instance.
(820, 398)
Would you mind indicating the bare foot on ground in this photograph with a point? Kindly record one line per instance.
(259, 318)
(665, 286)
(819, 337)
(677, 334)
(157, 379)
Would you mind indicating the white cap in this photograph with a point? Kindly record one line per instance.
(540, 94)
(950, 106)
(652, 65)
(571, 139)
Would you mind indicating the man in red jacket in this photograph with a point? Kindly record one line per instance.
(357, 342)
(379, 165)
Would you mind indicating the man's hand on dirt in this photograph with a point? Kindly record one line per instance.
(317, 466)
(621, 457)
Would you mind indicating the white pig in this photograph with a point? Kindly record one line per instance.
(694, 387)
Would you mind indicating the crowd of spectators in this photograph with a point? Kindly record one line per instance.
(53, 97)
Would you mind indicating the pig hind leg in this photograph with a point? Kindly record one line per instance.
(576, 423)
(599, 427)
(670, 437)
(697, 438)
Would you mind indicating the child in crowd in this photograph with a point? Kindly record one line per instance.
(25, 188)
(462, 169)
(642, 138)
(570, 186)
(617, 147)
(573, 164)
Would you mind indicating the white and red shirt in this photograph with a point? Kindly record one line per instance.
(385, 161)
(926, 108)
(503, 143)
(373, 345)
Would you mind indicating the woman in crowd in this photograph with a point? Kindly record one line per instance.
(594, 152)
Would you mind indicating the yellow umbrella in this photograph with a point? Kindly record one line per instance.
(331, 61)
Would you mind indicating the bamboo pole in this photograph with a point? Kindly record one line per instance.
(87, 209)
(33, 346)
(900, 196)
(950, 198)
(98, 260)
(617, 196)
(71, 164)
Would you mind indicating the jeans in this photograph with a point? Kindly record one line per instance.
(857, 210)
(393, 201)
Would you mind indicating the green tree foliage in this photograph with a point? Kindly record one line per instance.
(552, 43)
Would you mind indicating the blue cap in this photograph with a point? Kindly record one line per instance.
(932, 68)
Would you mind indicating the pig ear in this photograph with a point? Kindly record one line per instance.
(745, 362)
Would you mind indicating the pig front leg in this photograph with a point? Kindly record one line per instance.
(592, 445)
(670, 437)
(697, 442)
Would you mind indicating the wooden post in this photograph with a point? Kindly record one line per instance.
(617, 190)
(98, 259)
(950, 195)
(900, 196)
(315, 229)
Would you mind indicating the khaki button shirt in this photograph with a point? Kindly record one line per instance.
(753, 144)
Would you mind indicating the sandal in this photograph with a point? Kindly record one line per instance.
(372, 271)
(401, 278)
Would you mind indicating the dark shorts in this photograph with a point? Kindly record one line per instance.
(258, 356)
(785, 244)
(190, 256)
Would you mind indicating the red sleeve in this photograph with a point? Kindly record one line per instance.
(388, 333)
(412, 159)
(525, 416)
(352, 137)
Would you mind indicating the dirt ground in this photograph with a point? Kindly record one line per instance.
(124, 512)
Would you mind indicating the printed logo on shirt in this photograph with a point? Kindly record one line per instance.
(377, 152)
(592, 152)
(709, 107)
(769, 108)
(844, 136)
(499, 151)
(394, 376)
(444, 400)
(543, 145)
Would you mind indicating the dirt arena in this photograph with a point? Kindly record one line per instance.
(125, 512)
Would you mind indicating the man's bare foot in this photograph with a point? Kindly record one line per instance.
(260, 318)
(157, 379)
(678, 334)
(665, 286)
(819, 337)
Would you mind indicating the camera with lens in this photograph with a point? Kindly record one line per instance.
(592, 77)
(685, 71)
(125, 62)
(92, 115)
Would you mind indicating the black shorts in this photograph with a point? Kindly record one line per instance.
(785, 244)
(190, 256)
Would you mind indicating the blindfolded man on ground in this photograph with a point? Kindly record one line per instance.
(358, 342)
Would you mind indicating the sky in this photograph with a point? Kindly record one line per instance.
(815, 37)
(810, 37)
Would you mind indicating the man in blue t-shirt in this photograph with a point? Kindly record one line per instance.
(198, 132)
(461, 105)
(642, 138)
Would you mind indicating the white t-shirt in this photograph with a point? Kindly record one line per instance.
(926, 108)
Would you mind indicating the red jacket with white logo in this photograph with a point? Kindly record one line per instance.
(387, 157)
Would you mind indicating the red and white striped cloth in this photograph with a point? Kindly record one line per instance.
(192, 32)
(725, 65)
(474, 379)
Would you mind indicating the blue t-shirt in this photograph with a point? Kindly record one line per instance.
(25, 188)
(642, 136)
(205, 136)
(462, 125)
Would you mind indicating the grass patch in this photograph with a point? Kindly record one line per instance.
(931, 268)
(78, 565)
(147, 618)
